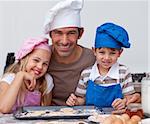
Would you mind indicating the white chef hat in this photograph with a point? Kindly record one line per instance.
(66, 13)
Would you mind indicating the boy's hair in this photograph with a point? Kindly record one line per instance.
(20, 66)
(109, 48)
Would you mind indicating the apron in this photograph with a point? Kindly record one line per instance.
(31, 99)
(102, 96)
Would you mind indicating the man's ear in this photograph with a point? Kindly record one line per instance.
(50, 34)
(94, 50)
(81, 30)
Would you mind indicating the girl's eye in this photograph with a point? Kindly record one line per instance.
(45, 64)
(36, 60)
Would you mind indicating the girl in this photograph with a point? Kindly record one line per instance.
(25, 83)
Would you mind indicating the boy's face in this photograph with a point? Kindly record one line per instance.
(106, 57)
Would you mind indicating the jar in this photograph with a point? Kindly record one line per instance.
(134, 109)
(145, 93)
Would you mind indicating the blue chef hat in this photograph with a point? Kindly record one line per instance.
(112, 36)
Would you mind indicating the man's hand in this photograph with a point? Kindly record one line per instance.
(134, 98)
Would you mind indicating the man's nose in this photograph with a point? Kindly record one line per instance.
(64, 40)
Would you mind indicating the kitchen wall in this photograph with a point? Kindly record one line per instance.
(22, 19)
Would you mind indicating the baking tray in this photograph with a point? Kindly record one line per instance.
(54, 112)
(105, 110)
(146, 115)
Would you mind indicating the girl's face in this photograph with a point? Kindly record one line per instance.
(106, 57)
(38, 62)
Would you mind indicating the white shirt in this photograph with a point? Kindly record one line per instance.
(8, 78)
(112, 73)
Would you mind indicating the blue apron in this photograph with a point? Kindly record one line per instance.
(102, 96)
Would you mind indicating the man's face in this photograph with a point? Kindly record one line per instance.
(65, 40)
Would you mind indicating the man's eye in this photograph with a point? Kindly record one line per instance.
(72, 33)
(57, 33)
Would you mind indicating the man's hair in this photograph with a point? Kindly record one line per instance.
(79, 30)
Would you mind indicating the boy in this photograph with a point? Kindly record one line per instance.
(106, 83)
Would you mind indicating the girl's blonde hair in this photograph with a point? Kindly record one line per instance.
(20, 66)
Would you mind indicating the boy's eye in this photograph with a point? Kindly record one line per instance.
(112, 53)
(101, 52)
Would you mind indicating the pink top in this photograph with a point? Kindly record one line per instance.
(31, 99)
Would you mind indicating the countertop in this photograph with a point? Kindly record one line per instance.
(10, 119)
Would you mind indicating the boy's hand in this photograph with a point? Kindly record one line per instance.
(121, 111)
(119, 104)
(72, 100)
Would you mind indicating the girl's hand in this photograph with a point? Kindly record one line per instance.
(29, 80)
(30, 85)
(119, 104)
(72, 100)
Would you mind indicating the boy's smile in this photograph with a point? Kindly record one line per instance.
(106, 57)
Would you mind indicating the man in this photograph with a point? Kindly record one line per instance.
(68, 58)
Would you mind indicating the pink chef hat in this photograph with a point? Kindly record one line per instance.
(30, 44)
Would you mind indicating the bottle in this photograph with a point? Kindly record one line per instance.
(145, 91)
